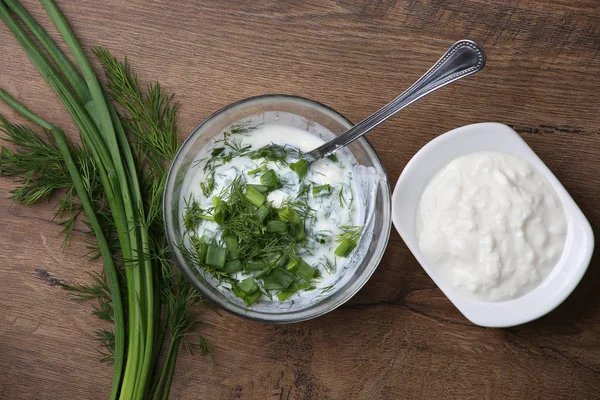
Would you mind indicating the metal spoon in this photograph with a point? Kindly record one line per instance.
(462, 59)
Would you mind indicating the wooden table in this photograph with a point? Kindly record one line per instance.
(399, 337)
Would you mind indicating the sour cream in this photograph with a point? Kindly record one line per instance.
(491, 226)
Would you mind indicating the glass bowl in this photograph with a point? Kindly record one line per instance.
(300, 113)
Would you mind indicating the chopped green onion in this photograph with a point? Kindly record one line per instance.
(283, 277)
(247, 290)
(255, 265)
(248, 285)
(305, 271)
(261, 188)
(345, 248)
(299, 231)
(269, 283)
(255, 197)
(233, 266)
(278, 279)
(262, 212)
(258, 170)
(333, 158)
(200, 246)
(233, 247)
(276, 226)
(288, 214)
(322, 190)
(220, 209)
(284, 295)
(292, 264)
(216, 256)
(251, 298)
(270, 179)
(300, 167)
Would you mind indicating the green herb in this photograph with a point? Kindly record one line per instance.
(262, 212)
(208, 186)
(233, 266)
(261, 188)
(262, 168)
(219, 210)
(349, 232)
(330, 267)
(233, 247)
(322, 237)
(263, 239)
(300, 167)
(305, 271)
(345, 248)
(322, 190)
(348, 240)
(277, 226)
(116, 179)
(194, 214)
(247, 290)
(270, 180)
(254, 196)
(343, 197)
(255, 265)
(216, 256)
(273, 153)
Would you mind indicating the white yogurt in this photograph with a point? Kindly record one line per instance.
(491, 226)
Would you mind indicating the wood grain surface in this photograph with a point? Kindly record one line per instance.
(399, 337)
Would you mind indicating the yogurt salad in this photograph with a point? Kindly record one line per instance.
(265, 225)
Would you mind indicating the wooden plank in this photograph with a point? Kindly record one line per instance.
(399, 337)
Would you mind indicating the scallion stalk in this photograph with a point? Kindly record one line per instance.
(255, 197)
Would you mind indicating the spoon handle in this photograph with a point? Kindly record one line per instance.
(462, 59)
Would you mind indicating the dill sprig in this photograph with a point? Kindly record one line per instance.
(329, 266)
(208, 186)
(150, 115)
(106, 338)
(349, 233)
(228, 148)
(275, 153)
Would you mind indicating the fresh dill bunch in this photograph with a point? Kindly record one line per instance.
(149, 116)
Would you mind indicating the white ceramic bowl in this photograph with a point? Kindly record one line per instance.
(579, 243)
